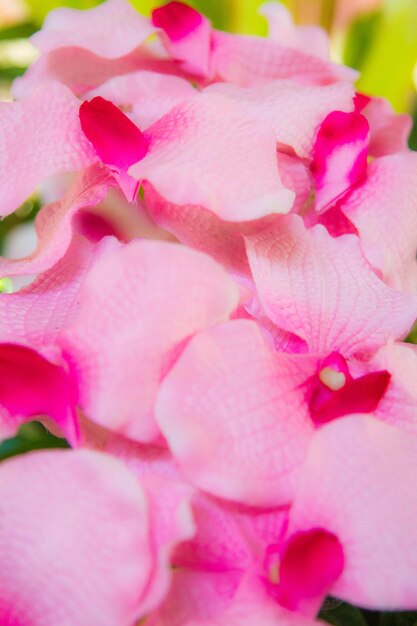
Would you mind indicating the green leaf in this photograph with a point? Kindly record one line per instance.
(400, 618)
(343, 615)
(32, 436)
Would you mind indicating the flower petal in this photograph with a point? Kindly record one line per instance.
(234, 415)
(324, 290)
(359, 483)
(139, 302)
(69, 564)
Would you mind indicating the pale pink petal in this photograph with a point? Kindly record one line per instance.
(234, 414)
(384, 210)
(399, 405)
(219, 543)
(54, 222)
(186, 36)
(359, 484)
(222, 599)
(32, 386)
(389, 131)
(36, 314)
(82, 70)
(294, 111)
(281, 28)
(49, 124)
(190, 40)
(194, 596)
(339, 157)
(138, 304)
(63, 558)
(171, 522)
(144, 96)
(111, 30)
(247, 60)
(324, 290)
(204, 152)
(229, 536)
(200, 228)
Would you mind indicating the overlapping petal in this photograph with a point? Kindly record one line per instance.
(49, 121)
(69, 563)
(324, 290)
(203, 153)
(359, 484)
(234, 416)
(139, 303)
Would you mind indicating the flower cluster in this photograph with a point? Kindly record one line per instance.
(225, 273)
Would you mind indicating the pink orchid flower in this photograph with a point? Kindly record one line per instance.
(239, 415)
(189, 39)
(81, 568)
(130, 346)
(357, 485)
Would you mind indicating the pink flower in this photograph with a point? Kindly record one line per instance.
(100, 537)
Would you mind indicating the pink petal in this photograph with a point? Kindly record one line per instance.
(228, 536)
(311, 562)
(82, 70)
(32, 386)
(49, 122)
(145, 96)
(384, 210)
(294, 111)
(194, 596)
(340, 156)
(187, 35)
(389, 131)
(54, 222)
(204, 152)
(399, 405)
(247, 60)
(116, 140)
(281, 28)
(36, 314)
(110, 30)
(219, 599)
(323, 289)
(359, 484)
(160, 294)
(335, 221)
(171, 523)
(201, 229)
(69, 564)
(234, 415)
(219, 543)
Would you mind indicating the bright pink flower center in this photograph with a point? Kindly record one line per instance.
(341, 149)
(116, 139)
(336, 393)
(361, 101)
(304, 570)
(337, 223)
(31, 386)
(177, 19)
